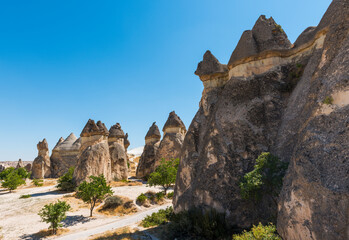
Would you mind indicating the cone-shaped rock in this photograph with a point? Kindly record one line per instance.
(118, 156)
(64, 155)
(210, 65)
(126, 141)
(20, 164)
(41, 164)
(94, 157)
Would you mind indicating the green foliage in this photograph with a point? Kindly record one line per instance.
(6, 172)
(265, 178)
(299, 65)
(96, 189)
(38, 182)
(157, 218)
(159, 196)
(12, 181)
(198, 224)
(65, 182)
(54, 213)
(165, 174)
(170, 195)
(112, 202)
(259, 232)
(22, 172)
(278, 28)
(328, 100)
(141, 199)
(25, 196)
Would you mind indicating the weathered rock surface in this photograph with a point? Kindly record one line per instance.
(41, 164)
(28, 167)
(119, 168)
(126, 142)
(94, 158)
(147, 161)
(64, 155)
(273, 102)
(2, 167)
(20, 164)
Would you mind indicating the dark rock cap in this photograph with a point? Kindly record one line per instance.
(266, 34)
(42, 145)
(173, 121)
(210, 65)
(305, 36)
(153, 132)
(116, 131)
(91, 128)
(126, 141)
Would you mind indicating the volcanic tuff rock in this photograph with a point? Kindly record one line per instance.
(119, 168)
(126, 141)
(147, 160)
(274, 101)
(20, 164)
(41, 164)
(64, 155)
(171, 144)
(2, 167)
(94, 158)
(28, 167)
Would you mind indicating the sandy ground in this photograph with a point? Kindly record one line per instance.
(19, 217)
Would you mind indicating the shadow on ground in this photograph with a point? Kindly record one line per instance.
(54, 192)
(73, 220)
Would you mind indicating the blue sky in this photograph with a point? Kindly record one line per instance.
(63, 62)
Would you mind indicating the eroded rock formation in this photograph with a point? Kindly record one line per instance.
(41, 164)
(64, 155)
(173, 136)
(147, 160)
(20, 164)
(116, 141)
(94, 158)
(271, 98)
(28, 167)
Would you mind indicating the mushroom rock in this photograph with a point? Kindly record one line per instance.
(118, 156)
(94, 157)
(65, 155)
(41, 164)
(147, 160)
(20, 164)
(173, 136)
(126, 141)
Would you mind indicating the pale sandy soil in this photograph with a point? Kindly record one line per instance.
(19, 217)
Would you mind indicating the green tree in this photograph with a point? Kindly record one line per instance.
(65, 182)
(165, 174)
(23, 173)
(265, 178)
(12, 181)
(6, 172)
(54, 213)
(259, 232)
(96, 189)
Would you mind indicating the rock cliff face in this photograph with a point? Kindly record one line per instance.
(271, 98)
(64, 155)
(147, 160)
(173, 136)
(119, 169)
(94, 158)
(41, 164)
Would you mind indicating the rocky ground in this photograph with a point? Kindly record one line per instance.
(20, 220)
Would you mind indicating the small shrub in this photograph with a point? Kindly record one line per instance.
(278, 28)
(38, 182)
(12, 181)
(159, 196)
(328, 100)
(141, 199)
(128, 204)
(25, 196)
(112, 202)
(157, 218)
(259, 232)
(170, 195)
(6, 172)
(66, 183)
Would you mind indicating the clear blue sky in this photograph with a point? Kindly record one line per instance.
(63, 62)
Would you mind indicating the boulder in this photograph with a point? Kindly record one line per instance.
(147, 161)
(41, 164)
(119, 168)
(64, 155)
(94, 157)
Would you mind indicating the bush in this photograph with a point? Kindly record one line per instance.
(159, 196)
(157, 218)
(96, 189)
(66, 183)
(112, 202)
(141, 199)
(25, 196)
(328, 100)
(170, 195)
(12, 181)
(20, 171)
(265, 178)
(6, 172)
(128, 204)
(38, 182)
(165, 174)
(54, 214)
(259, 232)
(23, 173)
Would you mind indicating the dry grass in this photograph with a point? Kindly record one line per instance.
(124, 183)
(75, 203)
(127, 208)
(47, 182)
(48, 232)
(125, 233)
